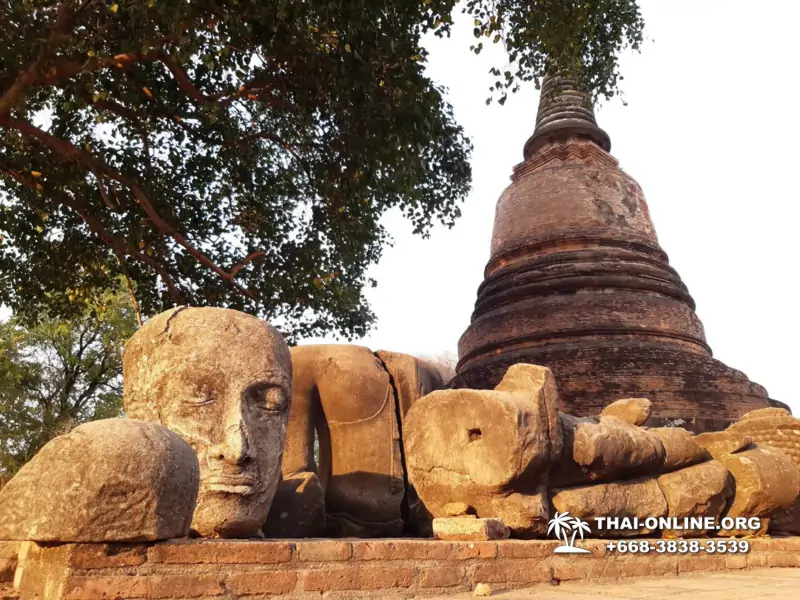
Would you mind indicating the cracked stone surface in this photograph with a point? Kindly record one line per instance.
(112, 480)
(491, 450)
(221, 379)
(352, 399)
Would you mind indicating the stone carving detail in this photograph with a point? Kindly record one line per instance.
(222, 380)
(115, 480)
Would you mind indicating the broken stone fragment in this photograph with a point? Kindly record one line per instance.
(489, 449)
(721, 443)
(114, 480)
(458, 509)
(766, 480)
(680, 448)
(698, 491)
(635, 411)
(608, 450)
(641, 498)
(298, 510)
(469, 530)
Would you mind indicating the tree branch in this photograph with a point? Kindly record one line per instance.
(63, 23)
(68, 152)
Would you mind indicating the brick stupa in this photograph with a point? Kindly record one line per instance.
(577, 282)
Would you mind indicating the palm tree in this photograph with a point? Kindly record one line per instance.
(578, 527)
(561, 523)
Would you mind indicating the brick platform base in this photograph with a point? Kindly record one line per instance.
(385, 569)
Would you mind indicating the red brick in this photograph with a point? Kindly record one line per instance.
(688, 563)
(98, 556)
(136, 586)
(241, 552)
(262, 583)
(356, 578)
(441, 577)
(323, 551)
(783, 559)
(757, 559)
(466, 550)
(512, 572)
(403, 550)
(525, 548)
(772, 544)
(568, 568)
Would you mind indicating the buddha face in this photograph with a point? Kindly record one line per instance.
(221, 380)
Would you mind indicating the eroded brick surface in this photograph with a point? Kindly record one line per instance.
(207, 569)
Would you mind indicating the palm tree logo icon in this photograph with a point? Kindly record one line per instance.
(562, 525)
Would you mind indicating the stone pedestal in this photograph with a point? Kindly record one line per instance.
(577, 282)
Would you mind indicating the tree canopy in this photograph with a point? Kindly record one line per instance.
(578, 39)
(59, 374)
(241, 153)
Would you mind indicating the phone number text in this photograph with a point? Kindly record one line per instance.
(679, 546)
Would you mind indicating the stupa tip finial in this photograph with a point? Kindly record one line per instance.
(564, 111)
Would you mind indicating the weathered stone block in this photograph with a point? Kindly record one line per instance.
(635, 411)
(721, 443)
(608, 450)
(108, 480)
(766, 480)
(640, 498)
(456, 528)
(698, 491)
(491, 450)
(680, 448)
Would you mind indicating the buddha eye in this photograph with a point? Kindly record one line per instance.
(201, 396)
(267, 397)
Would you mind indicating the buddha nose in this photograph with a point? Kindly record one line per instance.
(235, 448)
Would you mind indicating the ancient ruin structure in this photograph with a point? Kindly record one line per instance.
(507, 454)
(578, 282)
(104, 511)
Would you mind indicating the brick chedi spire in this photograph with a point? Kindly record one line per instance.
(577, 282)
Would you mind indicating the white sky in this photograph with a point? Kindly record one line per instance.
(712, 134)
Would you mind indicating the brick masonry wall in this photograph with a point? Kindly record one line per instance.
(386, 569)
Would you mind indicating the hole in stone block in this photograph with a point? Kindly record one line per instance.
(474, 435)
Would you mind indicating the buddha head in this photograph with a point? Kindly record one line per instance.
(221, 379)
